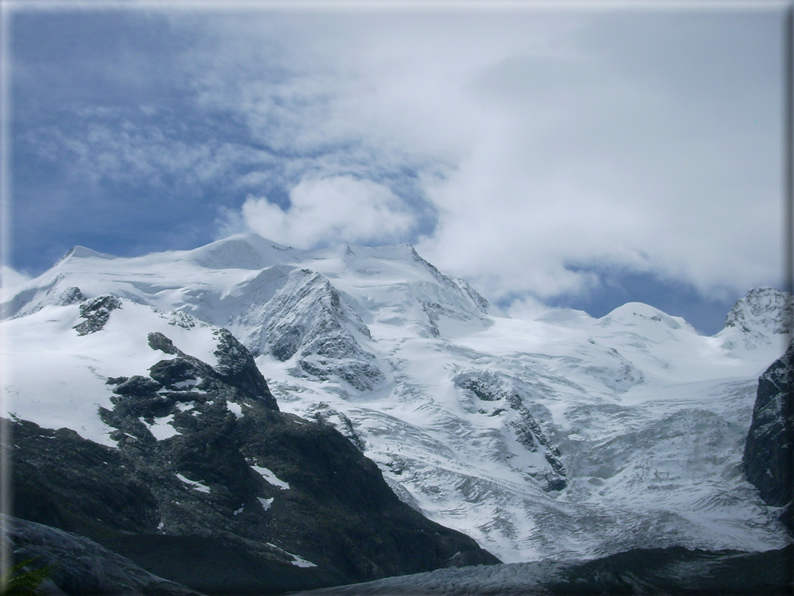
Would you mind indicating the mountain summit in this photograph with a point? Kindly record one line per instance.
(760, 315)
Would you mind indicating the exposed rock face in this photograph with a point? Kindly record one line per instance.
(212, 487)
(71, 295)
(158, 341)
(325, 414)
(308, 317)
(770, 443)
(62, 480)
(96, 313)
(236, 369)
(137, 386)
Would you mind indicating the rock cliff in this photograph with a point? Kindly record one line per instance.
(770, 443)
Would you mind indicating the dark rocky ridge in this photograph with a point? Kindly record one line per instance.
(769, 449)
(192, 509)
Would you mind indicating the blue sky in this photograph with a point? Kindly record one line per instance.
(567, 155)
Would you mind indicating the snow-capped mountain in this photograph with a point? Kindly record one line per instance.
(564, 436)
(759, 314)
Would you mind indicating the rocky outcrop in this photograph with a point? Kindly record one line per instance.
(325, 414)
(96, 313)
(71, 295)
(770, 442)
(214, 488)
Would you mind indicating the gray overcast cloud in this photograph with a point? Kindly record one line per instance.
(563, 155)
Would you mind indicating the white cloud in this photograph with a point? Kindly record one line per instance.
(559, 146)
(336, 209)
(528, 308)
(104, 145)
(541, 139)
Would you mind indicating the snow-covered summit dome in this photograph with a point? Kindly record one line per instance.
(638, 313)
(242, 251)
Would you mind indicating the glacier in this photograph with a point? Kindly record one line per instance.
(564, 437)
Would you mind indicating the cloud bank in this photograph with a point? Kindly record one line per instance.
(545, 144)
(526, 149)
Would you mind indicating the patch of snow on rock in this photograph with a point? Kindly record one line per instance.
(193, 484)
(270, 477)
(162, 428)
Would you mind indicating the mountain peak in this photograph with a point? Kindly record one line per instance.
(762, 309)
(81, 252)
(633, 313)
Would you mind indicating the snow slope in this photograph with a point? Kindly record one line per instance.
(564, 436)
(55, 377)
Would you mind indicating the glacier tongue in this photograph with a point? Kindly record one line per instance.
(564, 436)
